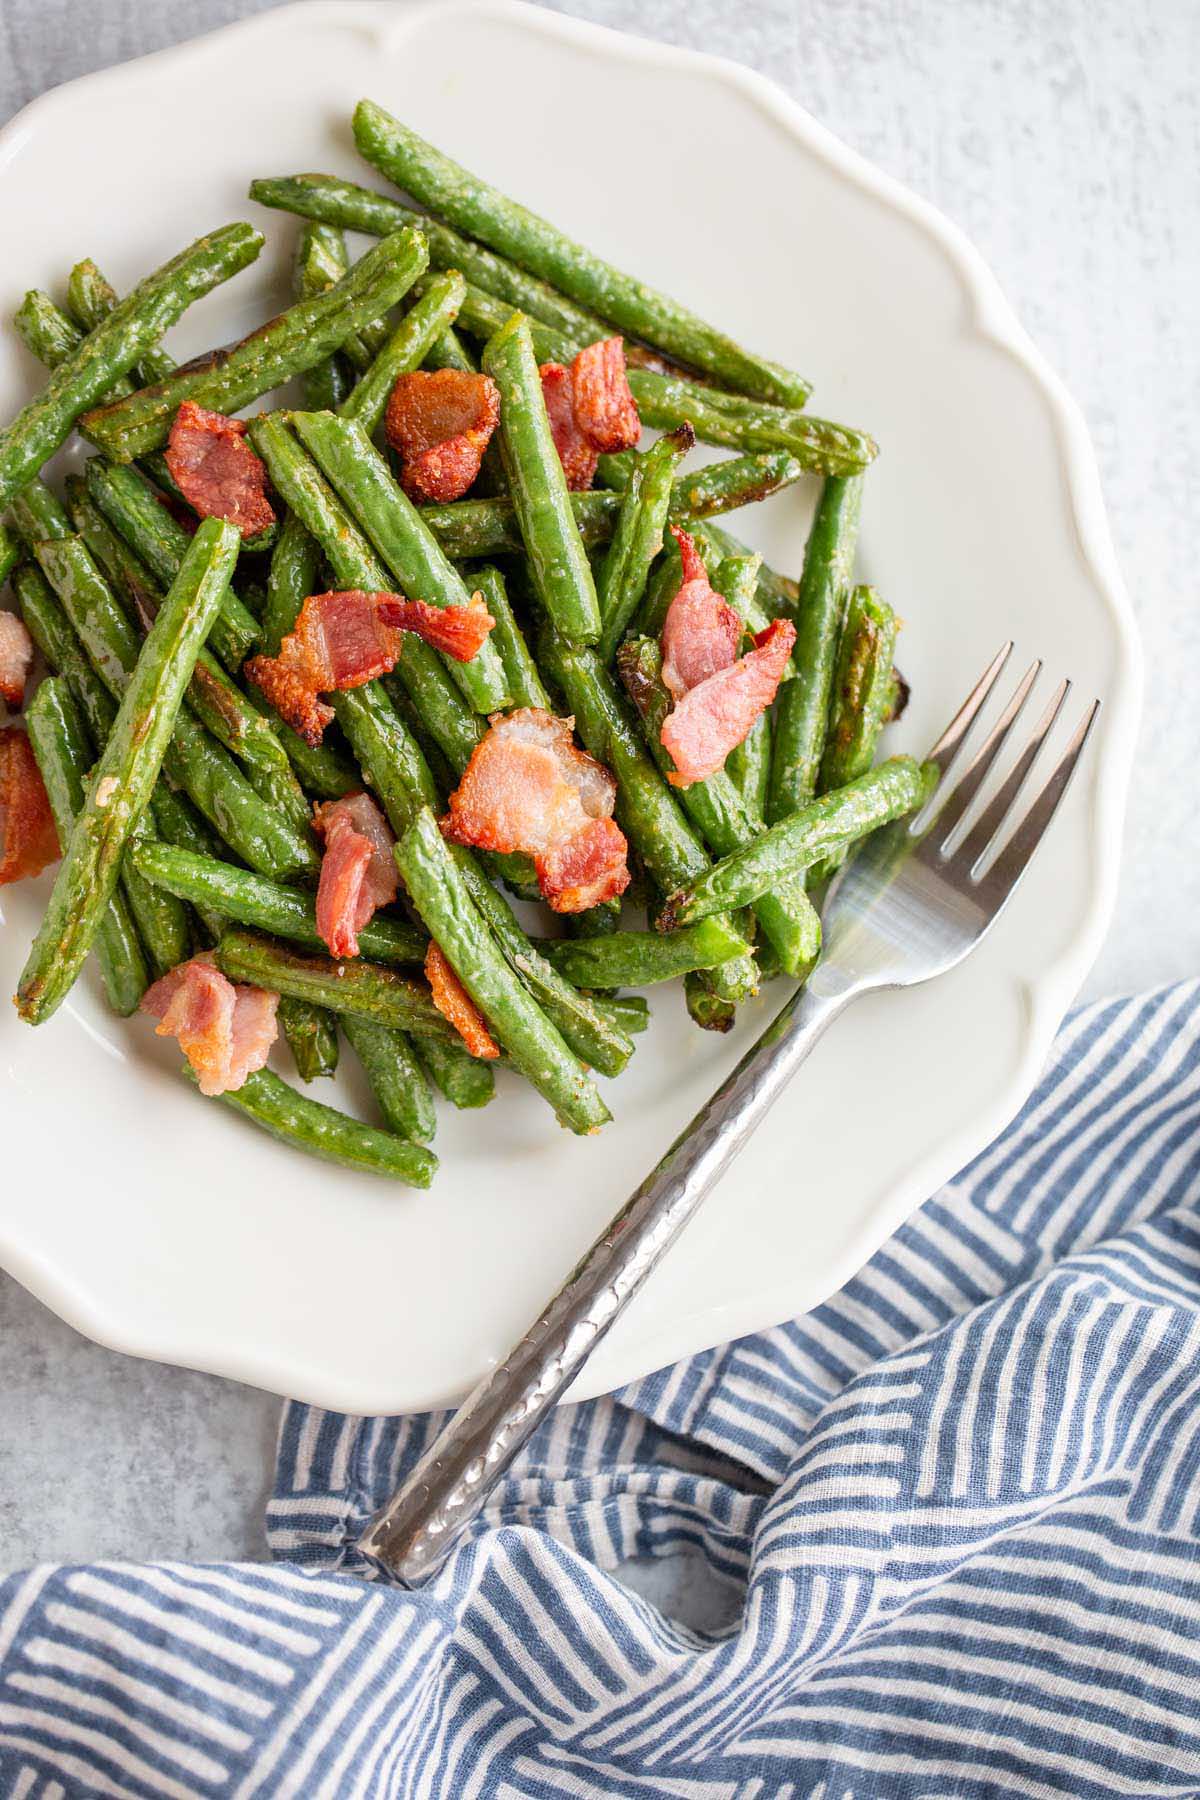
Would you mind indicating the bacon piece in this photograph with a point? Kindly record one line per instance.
(217, 471)
(224, 1029)
(28, 840)
(528, 788)
(16, 654)
(455, 1004)
(458, 631)
(577, 455)
(341, 640)
(701, 633)
(714, 717)
(441, 421)
(605, 410)
(358, 870)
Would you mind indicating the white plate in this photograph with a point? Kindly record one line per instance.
(173, 1230)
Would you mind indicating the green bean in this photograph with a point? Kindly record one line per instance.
(802, 713)
(585, 1028)
(672, 402)
(193, 760)
(647, 810)
(322, 1131)
(405, 349)
(538, 486)
(293, 341)
(525, 685)
(372, 990)
(748, 764)
(126, 772)
(466, 1081)
(61, 649)
(130, 329)
(639, 958)
(469, 204)
(358, 474)
(326, 261)
(90, 299)
(10, 552)
(600, 920)
(444, 777)
(629, 1011)
(862, 698)
(162, 919)
(355, 565)
(449, 352)
(483, 528)
(137, 514)
(777, 594)
(354, 208)
(317, 248)
(251, 899)
(295, 568)
(63, 754)
(707, 1010)
(217, 702)
(395, 1078)
(819, 445)
(716, 809)
(121, 566)
(637, 540)
(312, 1037)
(47, 333)
(862, 689)
(735, 578)
(665, 580)
(825, 825)
(437, 889)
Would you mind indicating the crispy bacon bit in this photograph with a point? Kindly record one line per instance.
(701, 633)
(224, 1029)
(605, 410)
(342, 640)
(576, 453)
(455, 1004)
(217, 471)
(590, 409)
(441, 422)
(28, 840)
(358, 870)
(528, 788)
(713, 718)
(16, 654)
(718, 695)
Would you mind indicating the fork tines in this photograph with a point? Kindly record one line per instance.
(969, 852)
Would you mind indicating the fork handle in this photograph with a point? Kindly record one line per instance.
(415, 1530)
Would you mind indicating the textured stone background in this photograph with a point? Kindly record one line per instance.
(1064, 135)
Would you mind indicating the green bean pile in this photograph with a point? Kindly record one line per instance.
(184, 803)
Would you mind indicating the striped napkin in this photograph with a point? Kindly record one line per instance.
(962, 1500)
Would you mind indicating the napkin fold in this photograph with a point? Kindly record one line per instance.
(963, 1497)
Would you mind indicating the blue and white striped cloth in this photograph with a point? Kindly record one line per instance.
(963, 1497)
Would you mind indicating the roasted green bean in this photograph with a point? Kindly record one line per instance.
(133, 327)
(321, 1131)
(821, 828)
(293, 341)
(126, 772)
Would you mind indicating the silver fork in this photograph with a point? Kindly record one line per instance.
(910, 905)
